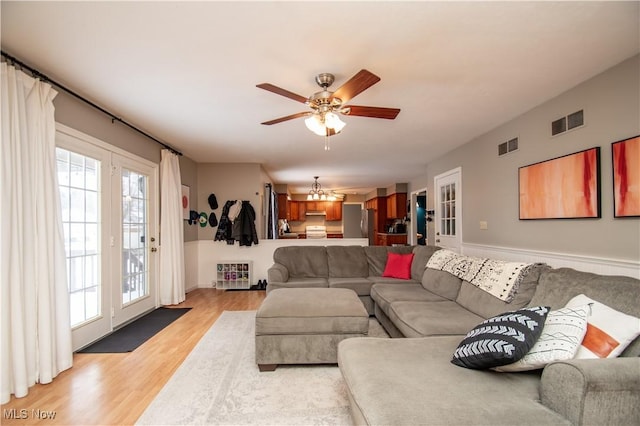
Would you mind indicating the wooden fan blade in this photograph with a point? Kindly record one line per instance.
(374, 112)
(288, 117)
(356, 85)
(282, 92)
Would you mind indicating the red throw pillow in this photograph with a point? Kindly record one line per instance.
(398, 266)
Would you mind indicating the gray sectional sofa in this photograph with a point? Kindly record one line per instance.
(353, 267)
(411, 380)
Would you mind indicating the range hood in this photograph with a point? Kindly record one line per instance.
(316, 213)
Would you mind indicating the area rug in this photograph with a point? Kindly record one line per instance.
(129, 337)
(219, 384)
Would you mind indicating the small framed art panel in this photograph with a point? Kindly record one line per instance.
(566, 187)
(185, 201)
(625, 155)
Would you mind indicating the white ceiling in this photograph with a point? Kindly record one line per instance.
(186, 72)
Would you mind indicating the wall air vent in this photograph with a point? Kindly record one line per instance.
(508, 146)
(569, 122)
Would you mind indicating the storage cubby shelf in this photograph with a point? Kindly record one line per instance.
(233, 275)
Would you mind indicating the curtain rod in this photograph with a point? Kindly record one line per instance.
(37, 74)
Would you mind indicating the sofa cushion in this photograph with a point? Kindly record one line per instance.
(441, 283)
(389, 280)
(299, 283)
(561, 335)
(557, 286)
(361, 286)
(501, 340)
(385, 294)
(609, 331)
(421, 255)
(414, 383)
(418, 319)
(347, 262)
(303, 262)
(376, 258)
(308, 311)
(398, 266)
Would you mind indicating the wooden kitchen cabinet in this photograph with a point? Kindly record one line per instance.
(284, 211)
(397, 205)
(334, 210)
(302, 211)
(315, 206)
(294, 209)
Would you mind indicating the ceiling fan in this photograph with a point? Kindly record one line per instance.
(322, 118)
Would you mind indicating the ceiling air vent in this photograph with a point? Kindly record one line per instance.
(508, 146)
(569, 122)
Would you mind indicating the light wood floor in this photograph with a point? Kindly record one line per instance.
(115, 389)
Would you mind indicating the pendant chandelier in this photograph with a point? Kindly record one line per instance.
(316, 192)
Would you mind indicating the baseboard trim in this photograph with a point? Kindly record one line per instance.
(596, 265)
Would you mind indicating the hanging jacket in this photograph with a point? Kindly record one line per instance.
(244, 227)
(224, 224)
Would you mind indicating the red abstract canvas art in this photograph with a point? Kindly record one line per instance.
(567, 187)
(626, 177)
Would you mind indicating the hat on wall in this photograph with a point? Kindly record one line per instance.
(203, 219)
(193, 217)
(213, 202)
(213, 220)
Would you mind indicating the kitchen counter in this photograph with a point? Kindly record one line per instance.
(389, 239)
(291, 235)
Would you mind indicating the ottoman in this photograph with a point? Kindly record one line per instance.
(305, 325)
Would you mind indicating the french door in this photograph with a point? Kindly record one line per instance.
(448, 209)
(109, 210)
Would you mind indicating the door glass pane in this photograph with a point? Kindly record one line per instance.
(78, 181)
(135, 264)
(448, 210)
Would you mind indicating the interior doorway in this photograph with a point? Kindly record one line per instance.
(448, 209)
(418, 211)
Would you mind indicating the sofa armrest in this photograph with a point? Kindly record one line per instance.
(593, 391)
(277, 273)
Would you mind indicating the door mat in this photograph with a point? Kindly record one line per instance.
(129, 337)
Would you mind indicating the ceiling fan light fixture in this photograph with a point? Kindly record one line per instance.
(319, 123)
(332, 121)
(314, 123)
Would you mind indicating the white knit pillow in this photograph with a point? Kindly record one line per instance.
(560, 339)
(609, 331)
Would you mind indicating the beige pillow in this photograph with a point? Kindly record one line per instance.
(609, 331)
(561, 336)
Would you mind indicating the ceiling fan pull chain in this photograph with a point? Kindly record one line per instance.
(326, 143)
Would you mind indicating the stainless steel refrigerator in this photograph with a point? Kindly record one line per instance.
(351, 216)
(366, 225)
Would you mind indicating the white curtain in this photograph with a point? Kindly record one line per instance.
(34, 303)
(172, 288)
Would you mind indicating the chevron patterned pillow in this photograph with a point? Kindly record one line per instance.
(501, 340)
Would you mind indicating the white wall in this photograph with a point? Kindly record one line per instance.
(230, 181)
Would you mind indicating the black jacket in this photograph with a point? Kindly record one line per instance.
(244, 227)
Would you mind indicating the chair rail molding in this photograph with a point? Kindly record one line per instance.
(592, 264)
